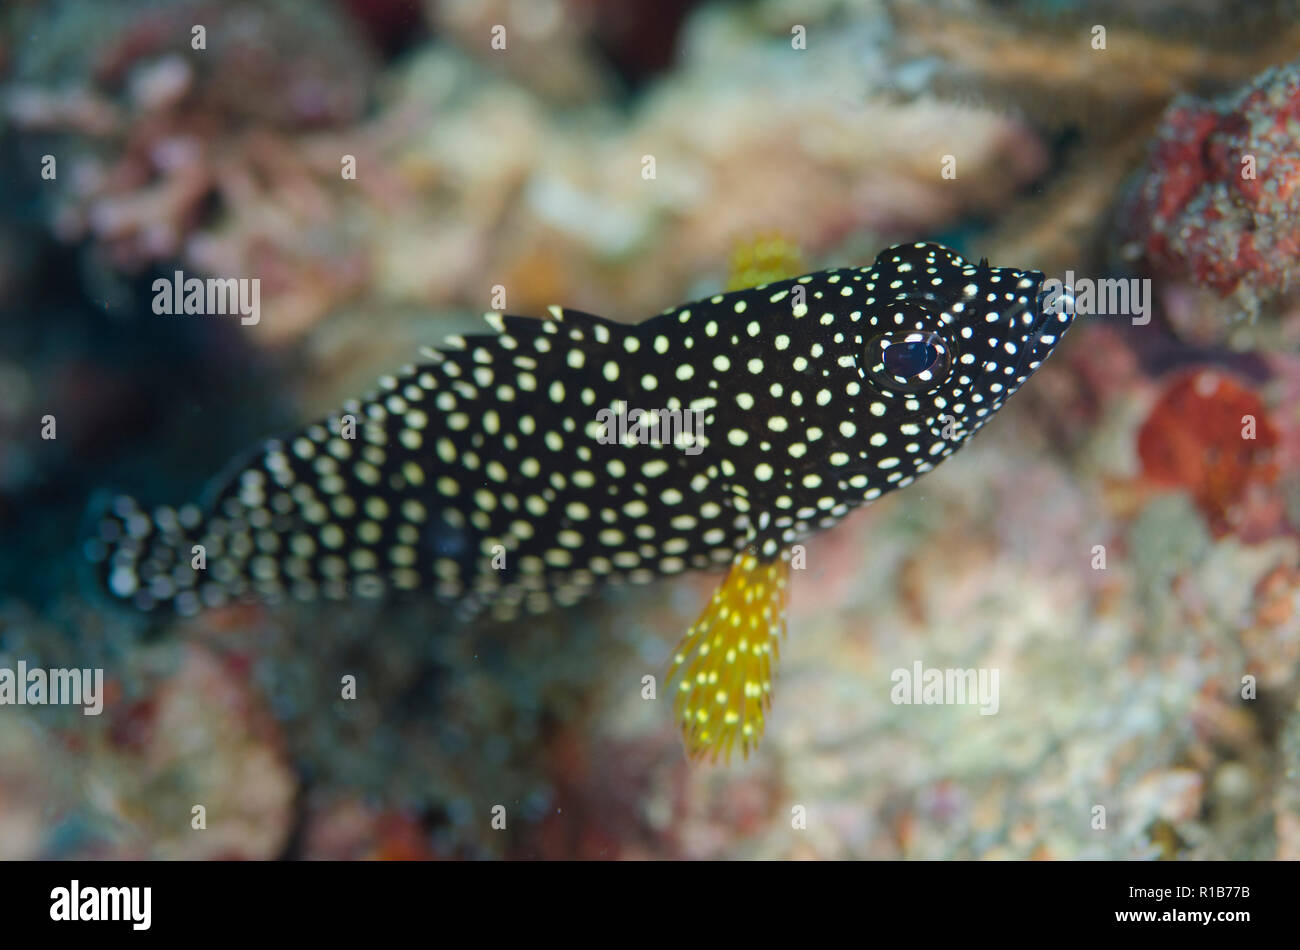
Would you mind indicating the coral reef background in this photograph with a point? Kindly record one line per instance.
(1112, 543)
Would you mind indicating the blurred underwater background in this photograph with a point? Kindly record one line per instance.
(1120, 542)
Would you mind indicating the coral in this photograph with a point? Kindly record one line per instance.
(1046, 58)
(203, 739)
(1102, 104)
(160, 144)
(1214, 205)
(1212, 436)
(543, 44)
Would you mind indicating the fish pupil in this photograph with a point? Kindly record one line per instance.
(906, 360)
(909, 362)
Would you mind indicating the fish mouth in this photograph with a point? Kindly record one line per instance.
(1044, 310)
(1033, 349)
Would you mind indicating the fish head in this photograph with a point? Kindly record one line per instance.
(948, 342)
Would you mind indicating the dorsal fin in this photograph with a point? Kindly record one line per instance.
(559, 321)
(568, 315)
(511, 332)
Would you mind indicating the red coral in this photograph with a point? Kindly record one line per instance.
(1196, 216)
(1197, 438)
(400, 837)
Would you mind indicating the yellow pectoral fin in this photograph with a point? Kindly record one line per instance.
(726, 659)
(764, 260)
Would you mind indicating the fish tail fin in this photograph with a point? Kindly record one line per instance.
(144, 558)
(727, 658)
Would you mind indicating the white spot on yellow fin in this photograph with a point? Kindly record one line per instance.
(726, 659)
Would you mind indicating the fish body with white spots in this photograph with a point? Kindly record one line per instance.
(487, 475)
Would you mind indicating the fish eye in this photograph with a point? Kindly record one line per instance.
(911, 362)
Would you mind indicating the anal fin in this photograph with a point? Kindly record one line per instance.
(727, 659)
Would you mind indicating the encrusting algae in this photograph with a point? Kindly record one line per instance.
(485, 476)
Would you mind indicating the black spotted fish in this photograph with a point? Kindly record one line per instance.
(486, 476)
